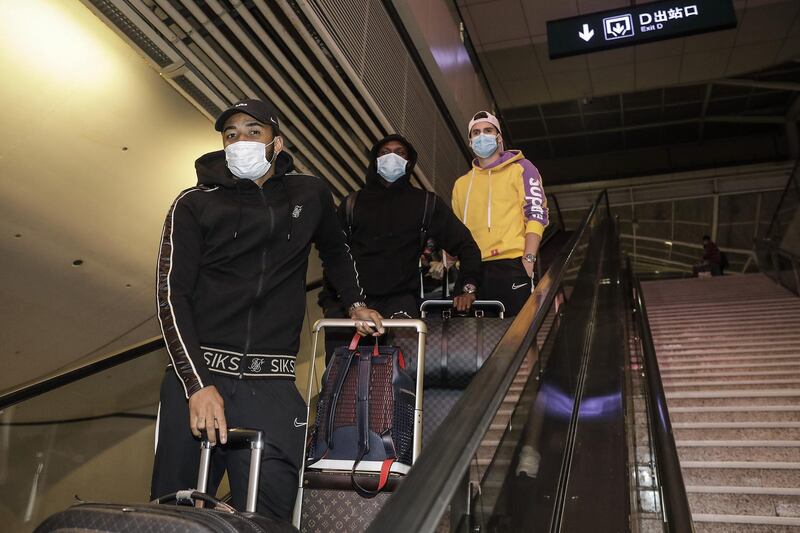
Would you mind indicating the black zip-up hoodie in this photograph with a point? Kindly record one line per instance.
(232, 265)
(385, 239)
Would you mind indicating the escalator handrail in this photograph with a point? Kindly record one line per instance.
(675, 503)
(76, 372)
(429, 487)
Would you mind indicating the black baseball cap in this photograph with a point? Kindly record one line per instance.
(258, 109)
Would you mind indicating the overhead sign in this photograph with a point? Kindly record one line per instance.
(639, 24)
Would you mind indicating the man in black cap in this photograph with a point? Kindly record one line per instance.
(231, 302)
(388, 224)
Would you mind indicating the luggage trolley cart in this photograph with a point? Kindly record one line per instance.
(365, 467)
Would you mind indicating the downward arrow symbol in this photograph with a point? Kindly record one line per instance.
(586, 34)
(619, 29)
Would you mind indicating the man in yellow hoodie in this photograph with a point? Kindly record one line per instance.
(502, 202)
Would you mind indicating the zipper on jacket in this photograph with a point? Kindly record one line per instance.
(260, 286)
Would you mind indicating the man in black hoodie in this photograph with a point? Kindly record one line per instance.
(387, 232)
(231, 302)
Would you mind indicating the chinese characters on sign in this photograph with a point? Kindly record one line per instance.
(638, 24)
(655, 20)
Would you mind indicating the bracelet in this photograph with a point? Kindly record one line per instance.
(355, 306)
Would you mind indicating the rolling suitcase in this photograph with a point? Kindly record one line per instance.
(186, 516)
(326, 501)
(457, 347)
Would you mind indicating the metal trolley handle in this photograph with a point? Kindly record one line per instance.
(496, 305)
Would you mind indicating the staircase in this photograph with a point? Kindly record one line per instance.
(729, 353)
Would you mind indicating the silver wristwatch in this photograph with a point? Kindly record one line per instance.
(530, 258)
(469, 288)
(355, 306)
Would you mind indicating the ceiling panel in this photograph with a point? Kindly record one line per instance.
(704, 66)
(514, 63)
(566, 85)
(610, 58)
(526, 92)
(659, 72)
(766, 22)
(498, 21)
(566, 64)
(751, 57)
(668, 48)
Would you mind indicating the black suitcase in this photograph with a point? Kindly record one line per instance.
(158, 517)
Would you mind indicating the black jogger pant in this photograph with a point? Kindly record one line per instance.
(272, 405)
(505, 280)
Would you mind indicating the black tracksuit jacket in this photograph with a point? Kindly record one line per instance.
(232, 265)
(385, 239)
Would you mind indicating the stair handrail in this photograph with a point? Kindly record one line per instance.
(792, 180)
(429, 487)
(83, 369)
(676, 513)
(772, 269)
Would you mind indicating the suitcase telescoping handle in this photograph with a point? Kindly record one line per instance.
(237, 437)
(483, 305)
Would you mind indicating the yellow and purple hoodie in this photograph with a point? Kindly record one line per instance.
(500, 204)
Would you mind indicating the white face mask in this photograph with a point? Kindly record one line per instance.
(247, 160)
(391, 166)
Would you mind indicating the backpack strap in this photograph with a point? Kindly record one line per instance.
(337, 387)
(427, 217)
(349, 210)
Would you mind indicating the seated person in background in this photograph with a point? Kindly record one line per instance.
(388, 231)
(712, 259)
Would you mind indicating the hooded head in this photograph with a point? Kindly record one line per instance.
(398, 146)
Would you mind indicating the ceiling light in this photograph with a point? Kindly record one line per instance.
(668, 243)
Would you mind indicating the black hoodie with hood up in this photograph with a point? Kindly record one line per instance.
(385, 239)
(232, 267)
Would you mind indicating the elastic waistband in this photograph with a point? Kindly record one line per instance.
(252, 365)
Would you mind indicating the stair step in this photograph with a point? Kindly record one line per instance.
(731, 402)
(764, 350)
(702, 375)
(760, 501)
(742, 393)
(670, 345)
(725, 433)
(725, 383)
(722, 523)
(757, 364)
(701, 324)
(738, 450)
(761, 413)
(741, 473)
(733, 312)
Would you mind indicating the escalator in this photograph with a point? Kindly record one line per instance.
(541, 440)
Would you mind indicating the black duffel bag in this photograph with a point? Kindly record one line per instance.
(456, 345)
(365, 415)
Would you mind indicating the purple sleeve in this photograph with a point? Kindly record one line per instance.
(535, 206)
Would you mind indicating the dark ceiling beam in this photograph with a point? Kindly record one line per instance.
(738, 119)
(748, 119)
(706, 100)
(772, 85)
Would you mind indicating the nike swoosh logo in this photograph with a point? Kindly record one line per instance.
(515, 286)
(298, 424)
